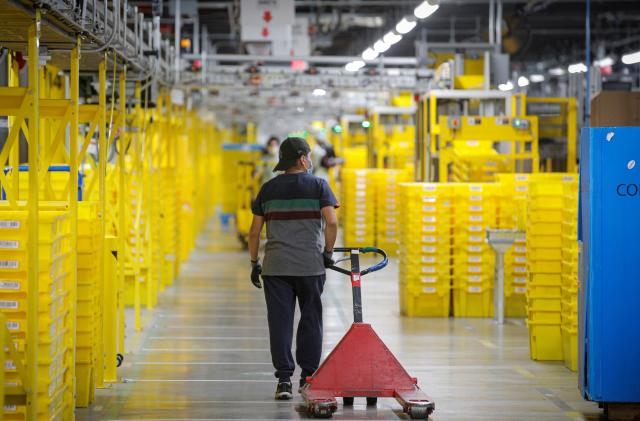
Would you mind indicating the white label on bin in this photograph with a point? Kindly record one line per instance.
(428, 279)
(475, 259)
(522, 177)
(9, 365)
(475, 228)
(10, 408)
(475, 208)
(520, 249)
(13, 325)
(475, 197)
(13, 285)
(428, 249)
(9, 244)
(522, 188)
(8, 304)
(429, 290)
(428, 269)
(428, 259)
(429, 219)
(475, 278)
(429, 228)
(475, 188)
(9, 264)
(429, 188)
(475, 218)
(568, 178)
(474, 289)
(392, 219)
(428, 199)
(475, 269)
(474, 249)
(429, 239)
(10, 224)
(475, 238)
(520, 269)
(520, 259)
(391, 207)
(520, 280)
(520, 290)
(428, 208)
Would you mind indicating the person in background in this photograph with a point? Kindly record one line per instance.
(324, 157)
(269, 159)
(299, 211)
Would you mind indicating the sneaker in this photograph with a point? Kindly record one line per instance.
(303, 382)
(283, 391)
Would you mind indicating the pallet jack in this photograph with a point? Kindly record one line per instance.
(361, 365)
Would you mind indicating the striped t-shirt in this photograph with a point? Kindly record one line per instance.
(291, 204)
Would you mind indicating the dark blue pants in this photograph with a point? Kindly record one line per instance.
(280, 293)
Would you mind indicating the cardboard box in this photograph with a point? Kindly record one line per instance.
(615, 109)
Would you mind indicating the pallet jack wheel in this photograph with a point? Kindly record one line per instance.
(419, 412)
(321, 411)
(372, 401)
(347, 401)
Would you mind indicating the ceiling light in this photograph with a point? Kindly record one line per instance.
(354, 66)
(380, 46)
(405, 26)
(426, 9)
(577, 68)
(370, 54)
(391, 38)
(632, 58)
(605, 62)
(319, 92)
(536, 78)
(523, 81)
(506, 86)
(556, 71)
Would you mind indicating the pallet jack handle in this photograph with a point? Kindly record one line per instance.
(356, 274)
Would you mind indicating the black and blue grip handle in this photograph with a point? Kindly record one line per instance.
(362, 250)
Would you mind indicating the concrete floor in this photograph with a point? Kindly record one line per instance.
(204, 355)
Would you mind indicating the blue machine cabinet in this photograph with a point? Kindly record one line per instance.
(609, 314)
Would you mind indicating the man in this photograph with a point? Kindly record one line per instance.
(299, 210)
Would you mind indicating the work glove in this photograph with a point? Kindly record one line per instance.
(328, 258)
(256, 271)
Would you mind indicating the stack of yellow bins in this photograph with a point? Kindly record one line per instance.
(512, 214)
(425, 249)
(544, 258)
(475, 209)
(89, 313)
(137, 261)
(388, 208)
(359, 202)
(570, 275)
(55, 355)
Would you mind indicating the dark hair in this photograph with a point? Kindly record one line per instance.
(273, 139)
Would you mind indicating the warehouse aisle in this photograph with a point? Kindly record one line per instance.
(204, 355)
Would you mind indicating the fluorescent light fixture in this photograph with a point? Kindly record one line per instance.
(577, 68)
(536, 78)
(354, 66)
(370, 54)
(405, 26)
(605, 62)
(556, 71)
(319, 92)
(632, 58)
(380, 46)
(391, 38)
(523, 81)
(426, 9)
(505, 86)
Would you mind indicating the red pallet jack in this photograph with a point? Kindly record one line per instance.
(361, 365)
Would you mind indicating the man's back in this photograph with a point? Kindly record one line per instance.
(291, 204)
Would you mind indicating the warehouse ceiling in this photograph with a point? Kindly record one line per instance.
(534, 31)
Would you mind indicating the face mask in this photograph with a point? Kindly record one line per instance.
(310, 169)
(273, 151)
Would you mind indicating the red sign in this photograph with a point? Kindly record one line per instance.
(265, 32)
(267, 16)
